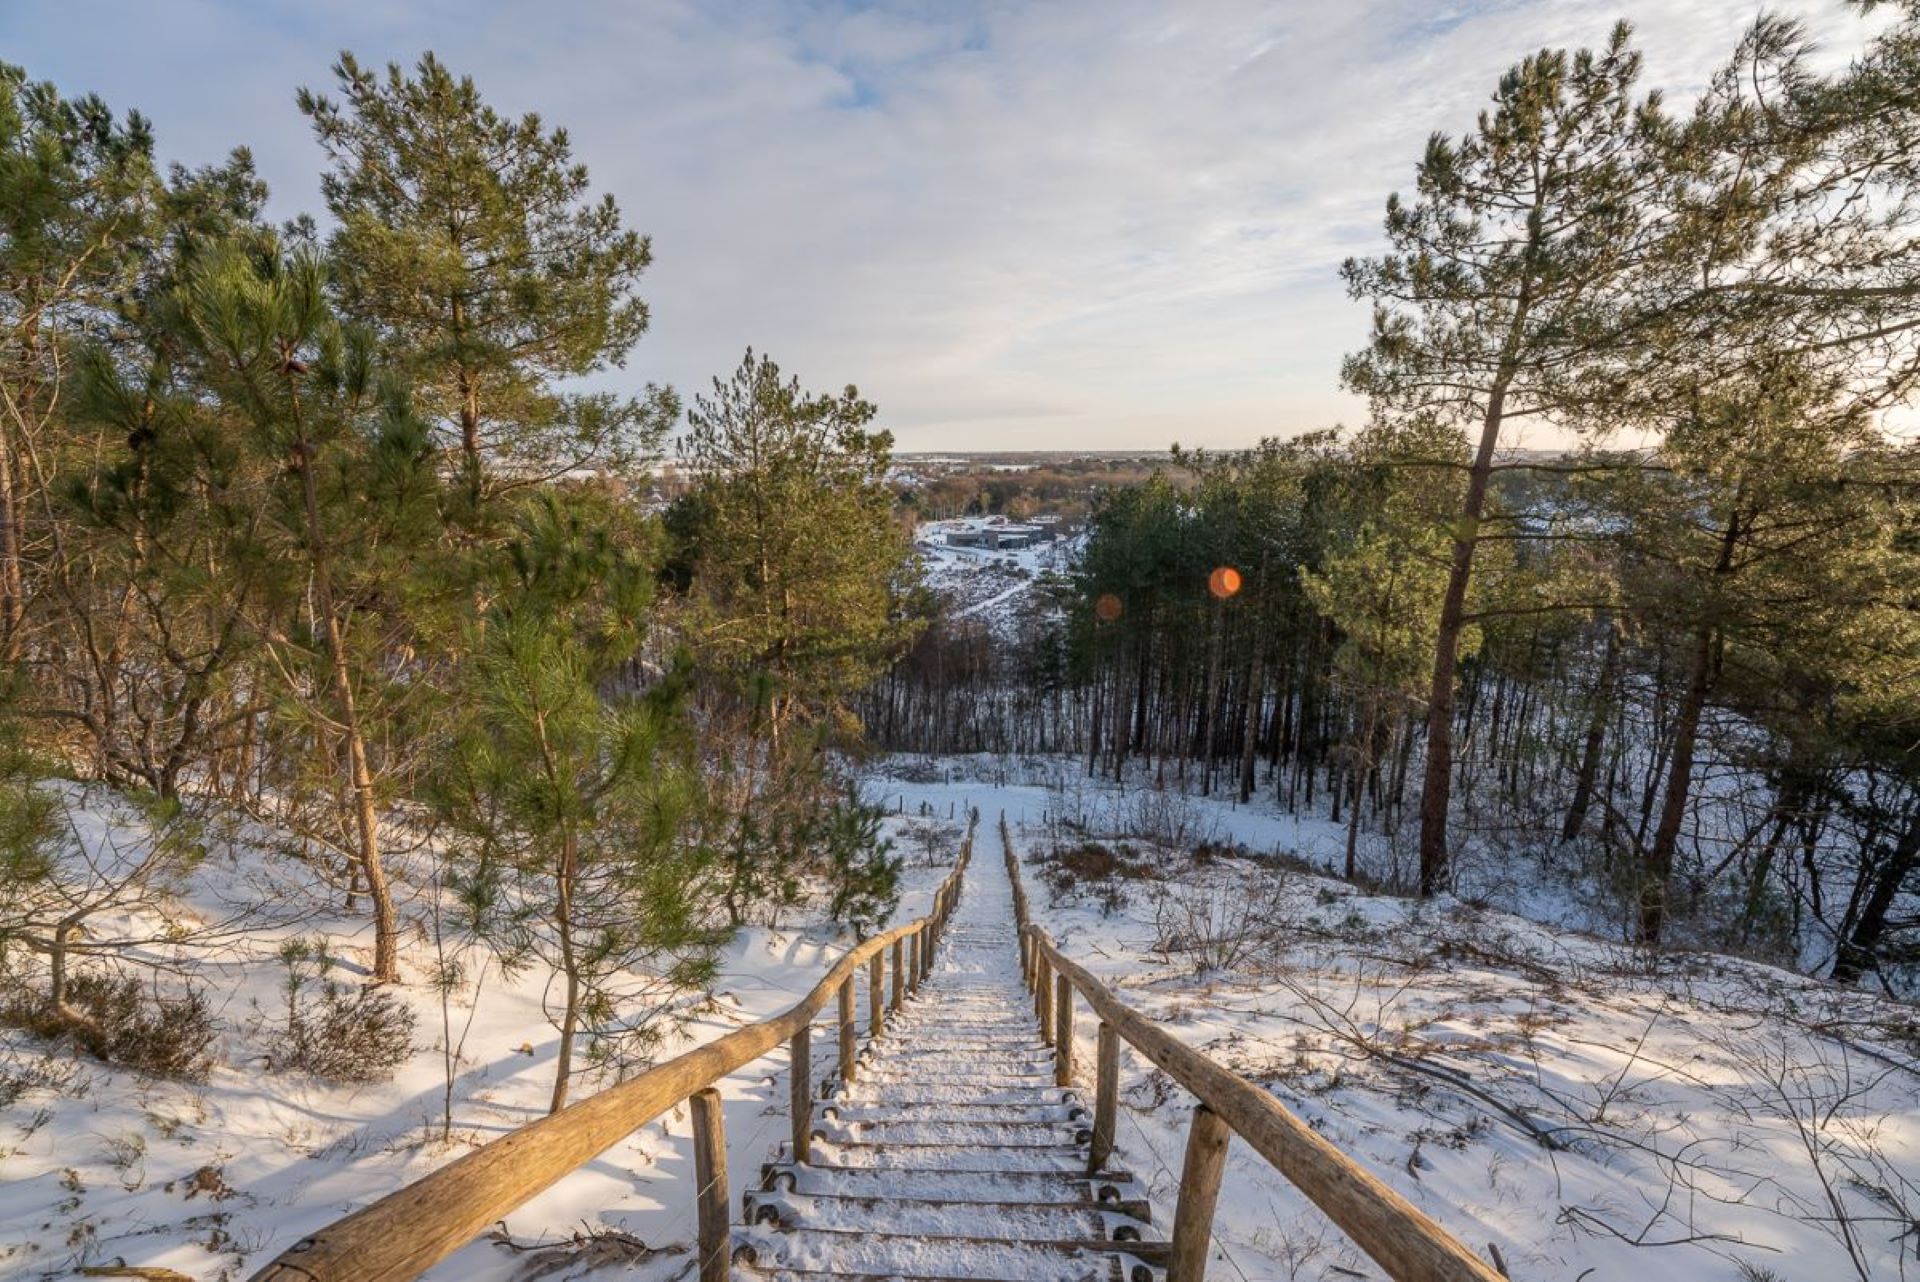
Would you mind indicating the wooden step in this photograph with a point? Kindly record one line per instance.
(970, 1132)
(906, 1255)
(1108, 1187)
(1107, 1222)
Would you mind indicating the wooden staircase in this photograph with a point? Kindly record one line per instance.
(952, 1152)
(954, 1148)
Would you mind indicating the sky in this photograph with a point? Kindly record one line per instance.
(1061, 224)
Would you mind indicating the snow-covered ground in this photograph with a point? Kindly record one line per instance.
(984, 583)
(1590, 1110)
(100, 1167)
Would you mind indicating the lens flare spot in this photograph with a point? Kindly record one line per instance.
(1224, 581)
(1107, 607)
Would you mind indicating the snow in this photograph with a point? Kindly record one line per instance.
(102, 1166)
(1705, 1115)
(984, 583)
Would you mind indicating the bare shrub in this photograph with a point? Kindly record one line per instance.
(933, 840)
(1092, 870)
(1166, 818)
(331, 1030)
(1223, 922)
(114, 1019)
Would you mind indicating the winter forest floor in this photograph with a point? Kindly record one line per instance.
(1591, 1110)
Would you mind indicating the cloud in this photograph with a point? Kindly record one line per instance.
(1087, 223)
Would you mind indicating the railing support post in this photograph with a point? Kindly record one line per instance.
(1106, 1098)
(1043, 1000)
(1063, 1032)
(876, 980)
(913, 963)
(899, 974)
(846, 1030)
(710, 1176)
(1199, 1192)
(800, 1096)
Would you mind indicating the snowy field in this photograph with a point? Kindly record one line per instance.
(1589, 1110)
(981, 582)
(100, 1167)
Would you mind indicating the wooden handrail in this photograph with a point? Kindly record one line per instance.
(1398, 1236)
(413, 1228)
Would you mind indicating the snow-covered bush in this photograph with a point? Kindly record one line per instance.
(334, 1031)
(115, 1019)
(1222, 922)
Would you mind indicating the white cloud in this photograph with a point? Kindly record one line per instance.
(1080, 223)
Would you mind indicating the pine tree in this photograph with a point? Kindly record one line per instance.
(336, 451)
(579, 800)
(797, 565)
(471, 243)
(77, 193)
(1381, 584)
(1501, 287)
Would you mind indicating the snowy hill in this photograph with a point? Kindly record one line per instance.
(1587, 1109)
(100, 1166)
(1591, 1110)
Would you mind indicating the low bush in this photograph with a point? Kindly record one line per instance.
(117, 1020)
(1091, 869)
(336, 1031)
(1225, 923)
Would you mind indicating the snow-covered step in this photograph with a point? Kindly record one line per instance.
(1110, 1188)
(848, 1110)
(1062, 1159)
(953, 1075)
(952, 1156)
(919, 1093)
(974, 1057)
(1037, 1221)
(967, 1132)
(838, 1253)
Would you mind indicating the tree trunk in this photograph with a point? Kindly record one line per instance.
(1596, 738)
(1656, 869)
(569, 967)
(1436, 793)
(12, 589)
(386, 959)
(1861, 950)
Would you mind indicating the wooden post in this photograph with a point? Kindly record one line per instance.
(913, 963)
(710, 1178)
(800, 1098)
(1106, 1099)
(846, 1030)
(1063, 1032)
(926, 950)
(1199, 1191)
(899, 975)
(1043, 1001)
(876, 978)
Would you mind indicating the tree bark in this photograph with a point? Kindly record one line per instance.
(386, 959)
(1861, 950)
(1596, 738)
(1656, 868)
(1436, 794)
